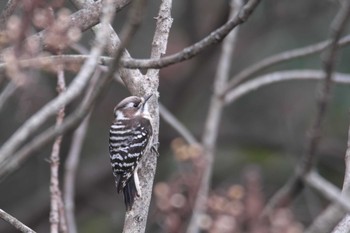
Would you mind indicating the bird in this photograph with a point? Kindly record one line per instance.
(130, 137)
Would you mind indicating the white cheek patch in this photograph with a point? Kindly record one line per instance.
(120, 115)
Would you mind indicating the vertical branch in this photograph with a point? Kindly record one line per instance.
(328, 220)
(56, 198)
(212, 122)
(71, 167)
(136, 219)
(161, 34)
(295, 184)
(328, 62)
(344, 224)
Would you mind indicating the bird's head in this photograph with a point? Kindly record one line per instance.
(131, 107)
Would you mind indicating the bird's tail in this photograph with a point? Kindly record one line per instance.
(129, 192)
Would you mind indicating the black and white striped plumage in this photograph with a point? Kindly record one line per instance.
(130, 137)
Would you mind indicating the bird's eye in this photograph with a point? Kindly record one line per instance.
(136, 105)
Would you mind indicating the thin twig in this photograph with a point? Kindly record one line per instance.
(56, 197)
(329, 62)
(168, 117)
(328, 190)
(214, 37)
(113, 39)
(295, 185)
(344, 226)
(129, 77)
(330, 217)
(71, 166)
(73, 61)
(10, 160)
(281, 76)
(213, 120)
(279, 58)
(15, 222)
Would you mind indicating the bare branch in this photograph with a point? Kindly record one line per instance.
(328, 190)
(136, 219)
(281, 76)
(337, 27)
(215, 37)
(295, 184)
(177, 125)
(73, 62)
(71, 167)
(15, 222)
(128, 76)
(213, 119)
(10, 160)
(113, 40)
(279, 58)
(161, 34)
(56, 196)
(328, 220)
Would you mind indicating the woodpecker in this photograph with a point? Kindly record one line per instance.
(130, 137)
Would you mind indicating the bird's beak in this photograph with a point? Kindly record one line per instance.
(145, 101)
(147, 98)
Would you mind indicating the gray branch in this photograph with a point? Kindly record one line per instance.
(136, 218)
(9, 160)
(295, 185)
(168, 117)
(330, 217)
(215, 37)
(280, 76)
(328, 190)
(15, 222)
(279, 58)
(213, 120)
(57, 219)
(71, 167)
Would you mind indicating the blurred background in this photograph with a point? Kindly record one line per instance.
(263, 133)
